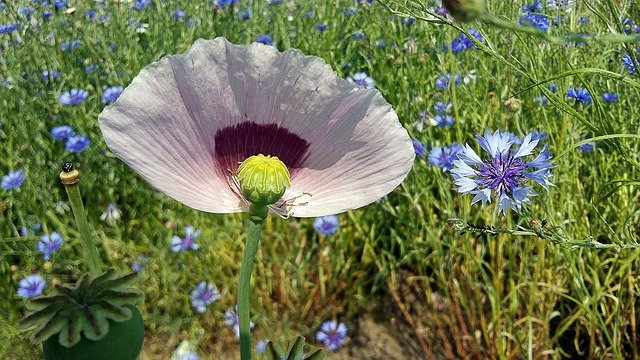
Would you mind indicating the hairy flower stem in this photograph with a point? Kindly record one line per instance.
(70, 181)
(258, 214)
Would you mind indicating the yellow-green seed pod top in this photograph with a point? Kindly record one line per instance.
(465, 10)
(263, 179)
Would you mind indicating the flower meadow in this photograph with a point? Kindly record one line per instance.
(515, 234)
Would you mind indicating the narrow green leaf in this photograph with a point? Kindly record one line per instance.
(42, 316)
(121, 297)
(121, 282)
(42, 302)
(319, 354)
(94, 327)
(108, 310)
(296, 349)
(50, 328)
(70, 333)
(274, 352)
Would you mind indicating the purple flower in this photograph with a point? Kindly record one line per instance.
(321, 27)
(265, 39)
(111, 94)
(188, 242)
(419, 147)
(444, 120)
(62, 132)
(588, 146)
(444, 157)
(73, 97)
(178, 14)
(70, 45)
(627, 61)
(463, 42)
(326, 225)
(539, 21)
(362, 80)
(536, 6)
(31, 286)
(50, 75)
(8, 28)
(13, 180)
(231, 319)
(78, 143)
(610, 97)
(49, 245)
(442, 107)
(332, 334)
(581, 95)
(504, 173)
(141, 4)
(261, 346)
(203, 295)
(442, 82)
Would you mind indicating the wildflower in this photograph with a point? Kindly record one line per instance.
(463, 42)
(178, 14)
(380, 43)
(91, 68)
(326, 225)
(60, 4)
(73, 97)
(504, 174)
(443, 120)
(13, 180)
(536, 20)
(62, 132)
(141, 4)
(419, 147)
(332, 334)
(231, 319)
(191, 355)
(223, 3)
(443, 157)
(50, 75)
(70, 45)
(261, 346)
(203, 295)
(49, 244)
(560, 5)
(333, 140)
(265, 39)
(111, 214)
(9, 28)
(627, 61)
(442, 82)
(137, 266)
(77, 143)
(610, 97)
(31, 286)
(188, 242)
(534, 7)
(588, 146)
(358, 35)
(350, 11)
(581, 95)
(321, 27)
(362, 80)
(245, 15)
(141, 27)
(442, 107)
(111, 94)
(26, 12)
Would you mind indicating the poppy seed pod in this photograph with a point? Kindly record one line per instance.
(465, 10)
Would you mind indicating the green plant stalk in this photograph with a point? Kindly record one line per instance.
(91, 253)
(258, 214)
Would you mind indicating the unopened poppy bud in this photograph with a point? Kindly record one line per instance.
(465, 10)
(263, 179)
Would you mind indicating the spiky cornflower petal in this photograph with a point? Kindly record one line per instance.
(188, 242)
(73, 97)
(332, 334)
(203, 295)
(419, 147)
(49, 244)
(504, 173)
(77, 143)
(31, 286)
(344, 146)
(326, 225)
(62, 132)
(444, 157)
(111, 94)
(231, 319)
(13, 180)
(361, 80)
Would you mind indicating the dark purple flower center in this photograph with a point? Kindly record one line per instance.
(206, 296)
(236, 143)
(503, 174)
(187, 242)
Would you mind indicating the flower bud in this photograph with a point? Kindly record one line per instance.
(263, 179)
(465, 10)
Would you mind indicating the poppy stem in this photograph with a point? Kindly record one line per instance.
(258, 214)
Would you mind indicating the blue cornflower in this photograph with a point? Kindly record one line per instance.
(77, 143)
(261, 346)
(380, 43)
(321, 27)
(265, 39)
(111, 94)
(274, 2)
(539, 21)
(73, 97)
(326, 225)
(442, 81)
(62, 132)
(442, 107)
(541, 99)
(137, 266)
(332, 334)
(13, 180)
(50, 75)
(188, 242)
(178, 14)
(70, 45)
(610, 97)
(444, 157)
(350, 11)
(141, 4)
(538, 135)
(189, 355)
(244, 15)
(49, 244)
(5, 29)
(560, 5)
(358, 35)
(223, 3)
(362, 80)
(443, 120)
(463, 42)
(25, 12)
(504, 173)
(31, 286)
(627, 61)
(536, 6)
(91, 68)
(60, 4)
(419, 147)
(231, 319)
(583, 20)
(588, 146)
(203, 295)
(47, 15)
(581, 95)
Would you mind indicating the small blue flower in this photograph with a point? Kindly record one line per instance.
(49, 245)
(70, 45)
(581, 95)
(245, 15)
(178, 14)
(504, 173)
(203, 295)
(442, 81)
(261, 346)
(536, 6)
(627, 61)
(588, 146)
(332, 334)
(419, 147)
(380, 43)
(442, 107)
(358, 35)
(50, 75)
(350, 11)
(60, 4)
(190, 355)
(13, 180)
(463, 42)
(326, 225)
(321, 27)
(62, 132)
(223, 3)
(231, 319)
(141, 4)
(265, 39)
(362, 80)
(188, 242)
(73, 97)
(8, 28)
(443, 120)
(31, 286)
(610, 97)
(111, 94)
(77, 143)
(26, 12)
(539, 21)
(443, 157)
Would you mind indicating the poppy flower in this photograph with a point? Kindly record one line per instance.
(186, 122)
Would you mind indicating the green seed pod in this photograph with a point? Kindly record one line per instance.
(465, 10)
(263, 179)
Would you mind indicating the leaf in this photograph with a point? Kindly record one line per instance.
(70, 333)
(42, 316)
(121, 297)
(319, 354)
(94, 327)
(108, 310)
(120, 283)
(66, 290)
(49, 328)
(274, 352)
(42, 302)
(296, 350)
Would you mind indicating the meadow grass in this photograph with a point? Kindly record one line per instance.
(563, 286)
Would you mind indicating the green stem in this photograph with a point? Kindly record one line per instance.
(258, 214)
(90, 251)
